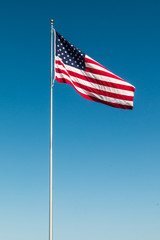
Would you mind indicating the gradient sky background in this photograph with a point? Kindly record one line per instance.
(106, 160)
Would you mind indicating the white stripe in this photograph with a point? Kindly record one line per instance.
(94, 65)
(63, 75)
(60, 67)
(97, 86)
(98, 96)
(95, 76)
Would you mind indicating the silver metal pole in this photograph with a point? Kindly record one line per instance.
(51, 145)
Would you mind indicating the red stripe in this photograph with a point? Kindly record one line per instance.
(103, 73)
(100, 82)
(88, 60)
(58, 70)
(63, 80)
(97, 91)
(60, 63)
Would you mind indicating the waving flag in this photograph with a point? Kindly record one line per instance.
(90, 79)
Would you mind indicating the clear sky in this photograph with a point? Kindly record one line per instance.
(106, 160)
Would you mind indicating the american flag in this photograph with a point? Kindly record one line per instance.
(90, 79)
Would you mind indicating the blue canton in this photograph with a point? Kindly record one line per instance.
(69, 54)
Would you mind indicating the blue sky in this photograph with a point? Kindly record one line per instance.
(106, 160)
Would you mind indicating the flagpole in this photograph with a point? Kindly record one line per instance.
(51, 145)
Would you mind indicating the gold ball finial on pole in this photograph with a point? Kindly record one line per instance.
(52, 23)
